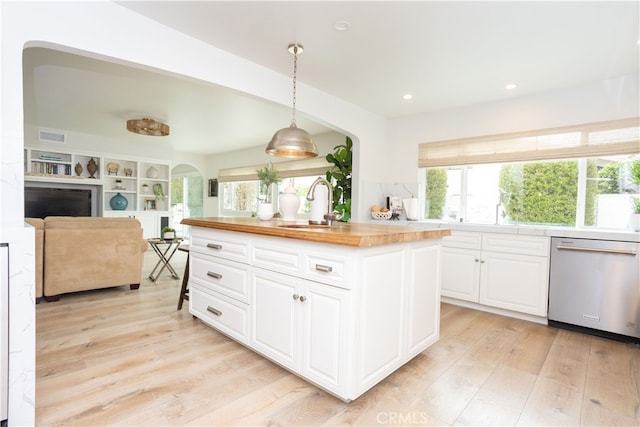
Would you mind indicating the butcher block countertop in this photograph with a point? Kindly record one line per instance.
(347, 234)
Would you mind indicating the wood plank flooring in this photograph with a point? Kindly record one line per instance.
(122, 357)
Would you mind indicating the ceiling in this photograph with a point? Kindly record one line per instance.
(446, 54)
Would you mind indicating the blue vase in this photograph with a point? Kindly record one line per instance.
(118, 202)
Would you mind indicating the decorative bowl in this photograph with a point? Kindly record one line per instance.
(381, 215)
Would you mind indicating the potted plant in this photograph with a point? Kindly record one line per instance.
(145, 188)
(340, 178)
(268, 176)
(168, 233)
(158, 192)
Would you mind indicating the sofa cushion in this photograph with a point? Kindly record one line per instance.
(84, 222)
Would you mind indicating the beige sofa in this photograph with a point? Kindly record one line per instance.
(83, 253)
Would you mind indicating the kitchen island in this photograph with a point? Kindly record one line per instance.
(341, 306)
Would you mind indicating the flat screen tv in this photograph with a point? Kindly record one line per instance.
(43, 202)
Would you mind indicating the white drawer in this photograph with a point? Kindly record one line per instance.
(219, 312)
(227, 277)
(463, 239)
(325, 269)
(284, 258)
(515, 244)
(220, 243)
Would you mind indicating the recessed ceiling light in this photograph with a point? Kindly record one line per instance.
(341, 26)
(511, 86)
(407, 96)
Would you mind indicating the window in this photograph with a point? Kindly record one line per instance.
(591, 192)
(240, 186)
(590, 187)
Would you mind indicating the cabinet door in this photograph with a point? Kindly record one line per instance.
(423, 326)
(461, 273)
(324, 310)
(274, 300)
(150, 222)
(515, 282)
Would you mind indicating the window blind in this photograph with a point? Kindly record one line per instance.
(588, 140)
(288, 169)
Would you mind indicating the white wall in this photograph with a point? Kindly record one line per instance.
(616, 98)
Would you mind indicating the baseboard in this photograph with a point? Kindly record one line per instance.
(508, 313)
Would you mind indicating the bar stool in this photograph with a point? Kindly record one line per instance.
(184, 289)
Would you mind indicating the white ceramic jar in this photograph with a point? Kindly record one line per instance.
(289, 204)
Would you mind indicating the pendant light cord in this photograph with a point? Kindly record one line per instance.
(295, 71)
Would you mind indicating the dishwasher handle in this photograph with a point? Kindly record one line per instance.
(601, 250)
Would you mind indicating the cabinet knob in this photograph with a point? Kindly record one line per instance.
(303, 298)
(477, 260)
(296, 296)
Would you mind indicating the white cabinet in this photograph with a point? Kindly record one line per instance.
(341, 317)
(219, 292)
(297, 323)
(149, 221)
(499, 270)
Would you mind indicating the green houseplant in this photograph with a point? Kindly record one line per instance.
(168, 233)
(340, 178)
(268, 176)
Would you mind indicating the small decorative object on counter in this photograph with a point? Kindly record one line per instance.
(265, 211)
(118, 202)
(152, 172)
(168, 233)
(128, 172)
(380, 213)
(78, 169)
(289, 204)
(92, 168)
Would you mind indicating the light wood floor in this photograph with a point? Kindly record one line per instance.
(122, 357)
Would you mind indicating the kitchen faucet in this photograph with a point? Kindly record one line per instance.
(330, 215)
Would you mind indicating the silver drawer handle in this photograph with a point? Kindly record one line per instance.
(601, 250)
(214, 311)
(214, 246)
(324, 268)
(214, 275)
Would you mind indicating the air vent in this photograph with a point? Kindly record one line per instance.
(52, 136)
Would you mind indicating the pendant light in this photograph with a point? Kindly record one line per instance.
(292, 142)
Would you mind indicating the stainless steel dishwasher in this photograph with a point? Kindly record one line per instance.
(595, 284)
